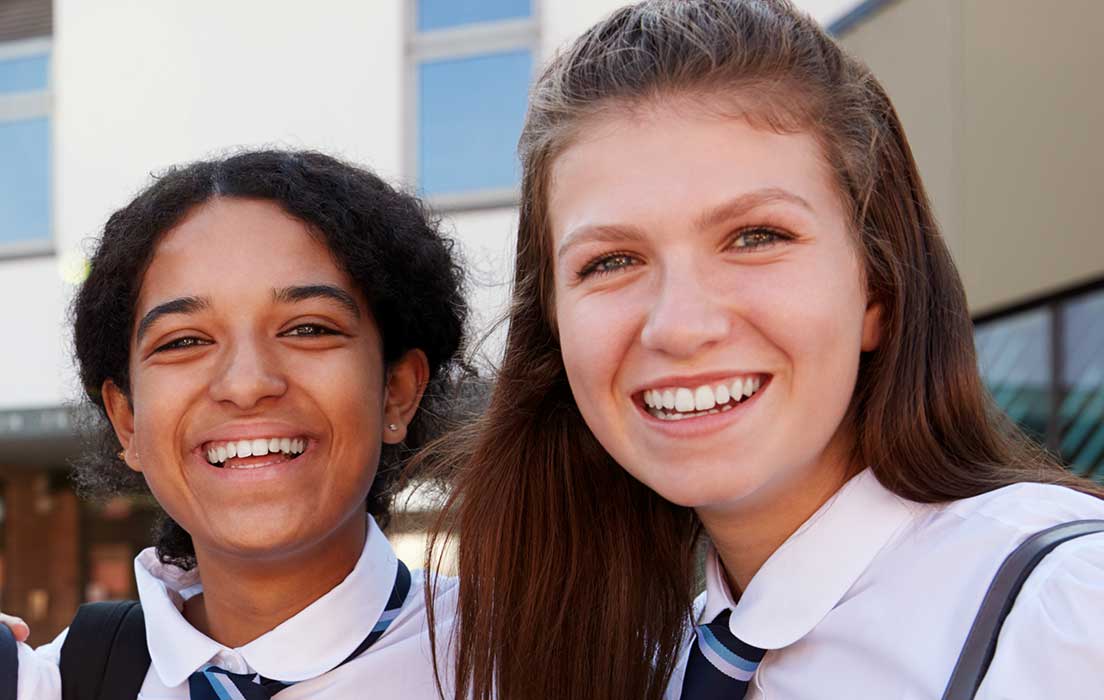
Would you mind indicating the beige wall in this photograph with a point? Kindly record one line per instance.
(1003, 105)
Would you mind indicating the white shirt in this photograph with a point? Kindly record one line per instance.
(303, 648)
(872, 599)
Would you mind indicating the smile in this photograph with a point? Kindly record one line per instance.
(237, 454)
(679, 403)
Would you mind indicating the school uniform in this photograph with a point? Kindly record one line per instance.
(301, 650)
(873, 596)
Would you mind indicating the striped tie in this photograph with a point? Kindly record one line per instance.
(720, 665)
(213, 683)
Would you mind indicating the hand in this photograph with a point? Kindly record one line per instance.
(17, 626)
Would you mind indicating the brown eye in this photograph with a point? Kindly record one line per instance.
(181, 344)
(307, 330)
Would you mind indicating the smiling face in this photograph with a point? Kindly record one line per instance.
(710, 303)
(258, 391)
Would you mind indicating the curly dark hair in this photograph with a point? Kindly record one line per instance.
(386, 240)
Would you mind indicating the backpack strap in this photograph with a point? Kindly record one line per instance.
(981, 643)
(105, 656)
(9, 664)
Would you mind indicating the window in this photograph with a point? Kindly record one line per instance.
(470, 66)
(25, 205)
(1044, 365)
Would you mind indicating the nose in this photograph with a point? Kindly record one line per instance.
(249, 373)
(686, 318)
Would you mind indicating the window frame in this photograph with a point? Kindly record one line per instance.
(465, 41)
(1055, 304)
(19, 106)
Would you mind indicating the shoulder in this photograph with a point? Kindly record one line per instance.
(39, 675)
(1023, 509)
(442, 591)
(1051, 643)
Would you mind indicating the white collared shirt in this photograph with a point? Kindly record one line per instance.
(302, 649)
(872, 598)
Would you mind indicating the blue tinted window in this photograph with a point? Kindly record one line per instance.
(440, 14)
(470, 113)
(1082, 410)
(1014, 358)
(24, 180)
(24, 74)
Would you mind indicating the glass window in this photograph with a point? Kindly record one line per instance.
(470, 111)
(1082, 409)
(24, 180)
(24, 74)
(442, 14)
(1015, 361)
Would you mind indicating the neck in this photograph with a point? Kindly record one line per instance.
(242, 598)
(746, 534)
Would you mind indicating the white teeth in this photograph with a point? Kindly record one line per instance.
(676, 403)
(721, 393)
(703, 398)
(684, 400)
(219, 453)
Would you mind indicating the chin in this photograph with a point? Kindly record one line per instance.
(705, 486)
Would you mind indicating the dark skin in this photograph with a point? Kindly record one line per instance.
(275, 342)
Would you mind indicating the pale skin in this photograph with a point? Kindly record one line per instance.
(280, 342)
(689, 247)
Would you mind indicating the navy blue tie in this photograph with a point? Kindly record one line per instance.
(213, 683)
(720, 666)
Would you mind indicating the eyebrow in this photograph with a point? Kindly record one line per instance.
(183, 305)
(291, 295)
(745, 203)
(732, 209)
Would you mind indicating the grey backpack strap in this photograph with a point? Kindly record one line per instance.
(981, 643)
(9, 664)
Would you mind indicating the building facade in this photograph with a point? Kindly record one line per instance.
(96, 96)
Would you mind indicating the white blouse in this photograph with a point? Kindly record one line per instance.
(303, 648)
(872, 599)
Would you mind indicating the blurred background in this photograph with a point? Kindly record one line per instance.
(1001, 99)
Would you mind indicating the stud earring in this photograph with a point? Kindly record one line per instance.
(392, 427)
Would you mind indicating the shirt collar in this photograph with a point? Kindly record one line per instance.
(327, 631)
(813, 569)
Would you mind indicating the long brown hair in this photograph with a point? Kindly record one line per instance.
(576, 581)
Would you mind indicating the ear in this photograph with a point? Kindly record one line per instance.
(406, 382)
(121, 415)
(872, 327)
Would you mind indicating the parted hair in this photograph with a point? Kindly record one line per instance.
(576, 580)
(385, 240)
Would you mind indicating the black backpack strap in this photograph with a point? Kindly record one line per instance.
(981, 643)
(105, 656)
(9, 664)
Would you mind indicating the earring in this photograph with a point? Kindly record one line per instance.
(122, 455)
(392, 427)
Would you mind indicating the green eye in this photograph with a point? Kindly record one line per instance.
(757, 238)
(607, 264)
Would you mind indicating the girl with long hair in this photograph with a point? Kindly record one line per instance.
(735, 322)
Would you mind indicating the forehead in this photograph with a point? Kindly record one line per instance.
(231, 248)
(675, 158)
